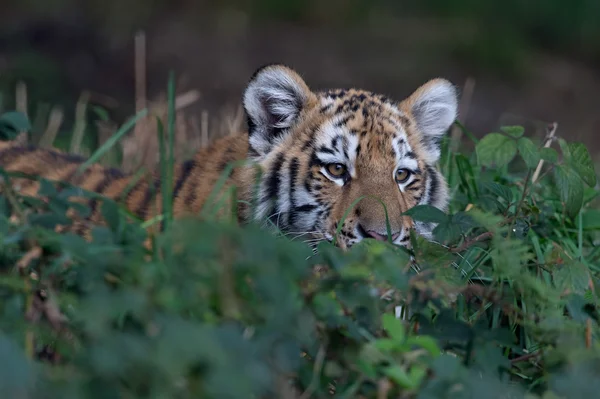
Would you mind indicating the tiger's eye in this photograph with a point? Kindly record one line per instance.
(402, 175)
(336, 169)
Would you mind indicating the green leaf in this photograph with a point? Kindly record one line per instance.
(386, 344)
(100, 112)
(447, 231)
(427, 214)
(529, 152)
(590, 220)
(581, 161)
(570, 187)
(464, 221)
(393, 326)
(496, 149)
(574, 277)
(400, 377)
(514, 131)
(499, 190)
(564, 147)
(17, 376)
(110, 213)
(12, 123)
(47, 189)
(549, 154)
(425, 342)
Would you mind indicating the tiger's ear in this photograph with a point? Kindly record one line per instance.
(273, 101)
(434, 107)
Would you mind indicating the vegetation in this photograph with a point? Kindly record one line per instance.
(502, 304)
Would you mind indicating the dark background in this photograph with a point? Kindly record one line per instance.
(530, 62)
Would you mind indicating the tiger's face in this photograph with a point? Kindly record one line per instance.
(332, 159)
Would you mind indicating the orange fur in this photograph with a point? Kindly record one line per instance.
(294, 135)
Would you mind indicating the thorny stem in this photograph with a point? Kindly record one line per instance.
(468, 243)
(524, 357)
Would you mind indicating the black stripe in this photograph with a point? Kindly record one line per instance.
(191, 195)
(226, 159)
(412, 183)
(305, 208)
(186, 169)
(434, 185)
(142, 210)
(110, 175)
(326, 150)
(326, 108)
(293, 170)
(274, 179)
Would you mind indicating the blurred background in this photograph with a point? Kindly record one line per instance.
(86, 66)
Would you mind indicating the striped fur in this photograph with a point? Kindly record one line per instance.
(295, 135)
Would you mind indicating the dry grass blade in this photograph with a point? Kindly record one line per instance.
(54, 122)
(551, 132)
(80, 123)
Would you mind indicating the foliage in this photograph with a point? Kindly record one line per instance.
(503, 302)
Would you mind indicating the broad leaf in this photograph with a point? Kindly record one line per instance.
(549, 154)
(573, 277)
(12, 123)
(393, 326)
(427, 214)
(582, 162)
(529, 152)
(515, 131)
(499, 190)
(590, 220)
(570, 187)
(496, 149)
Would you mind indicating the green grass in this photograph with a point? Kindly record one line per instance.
(505, 301)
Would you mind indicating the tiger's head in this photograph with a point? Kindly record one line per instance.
(323, 153)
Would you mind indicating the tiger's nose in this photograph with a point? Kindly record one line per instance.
(376, 235)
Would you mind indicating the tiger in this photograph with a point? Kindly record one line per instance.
(329, 161)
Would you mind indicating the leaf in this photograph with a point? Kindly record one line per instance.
(400, 377)
(47, 189)
(496, 149)
(549, 154)
(499, 190)
(581, 161)
(570, 188)
(590, 220)
(529, 152)
(574, 277)
(514, 131)
(393, 326)
(48, 220)
(100, 112)
(386, 344)
(427, 214)
(464, 221)
(425, 342)
(17, 376)
(447, 231)
(12, 123)
(564, 147)
(490, 358)
(110, 213)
